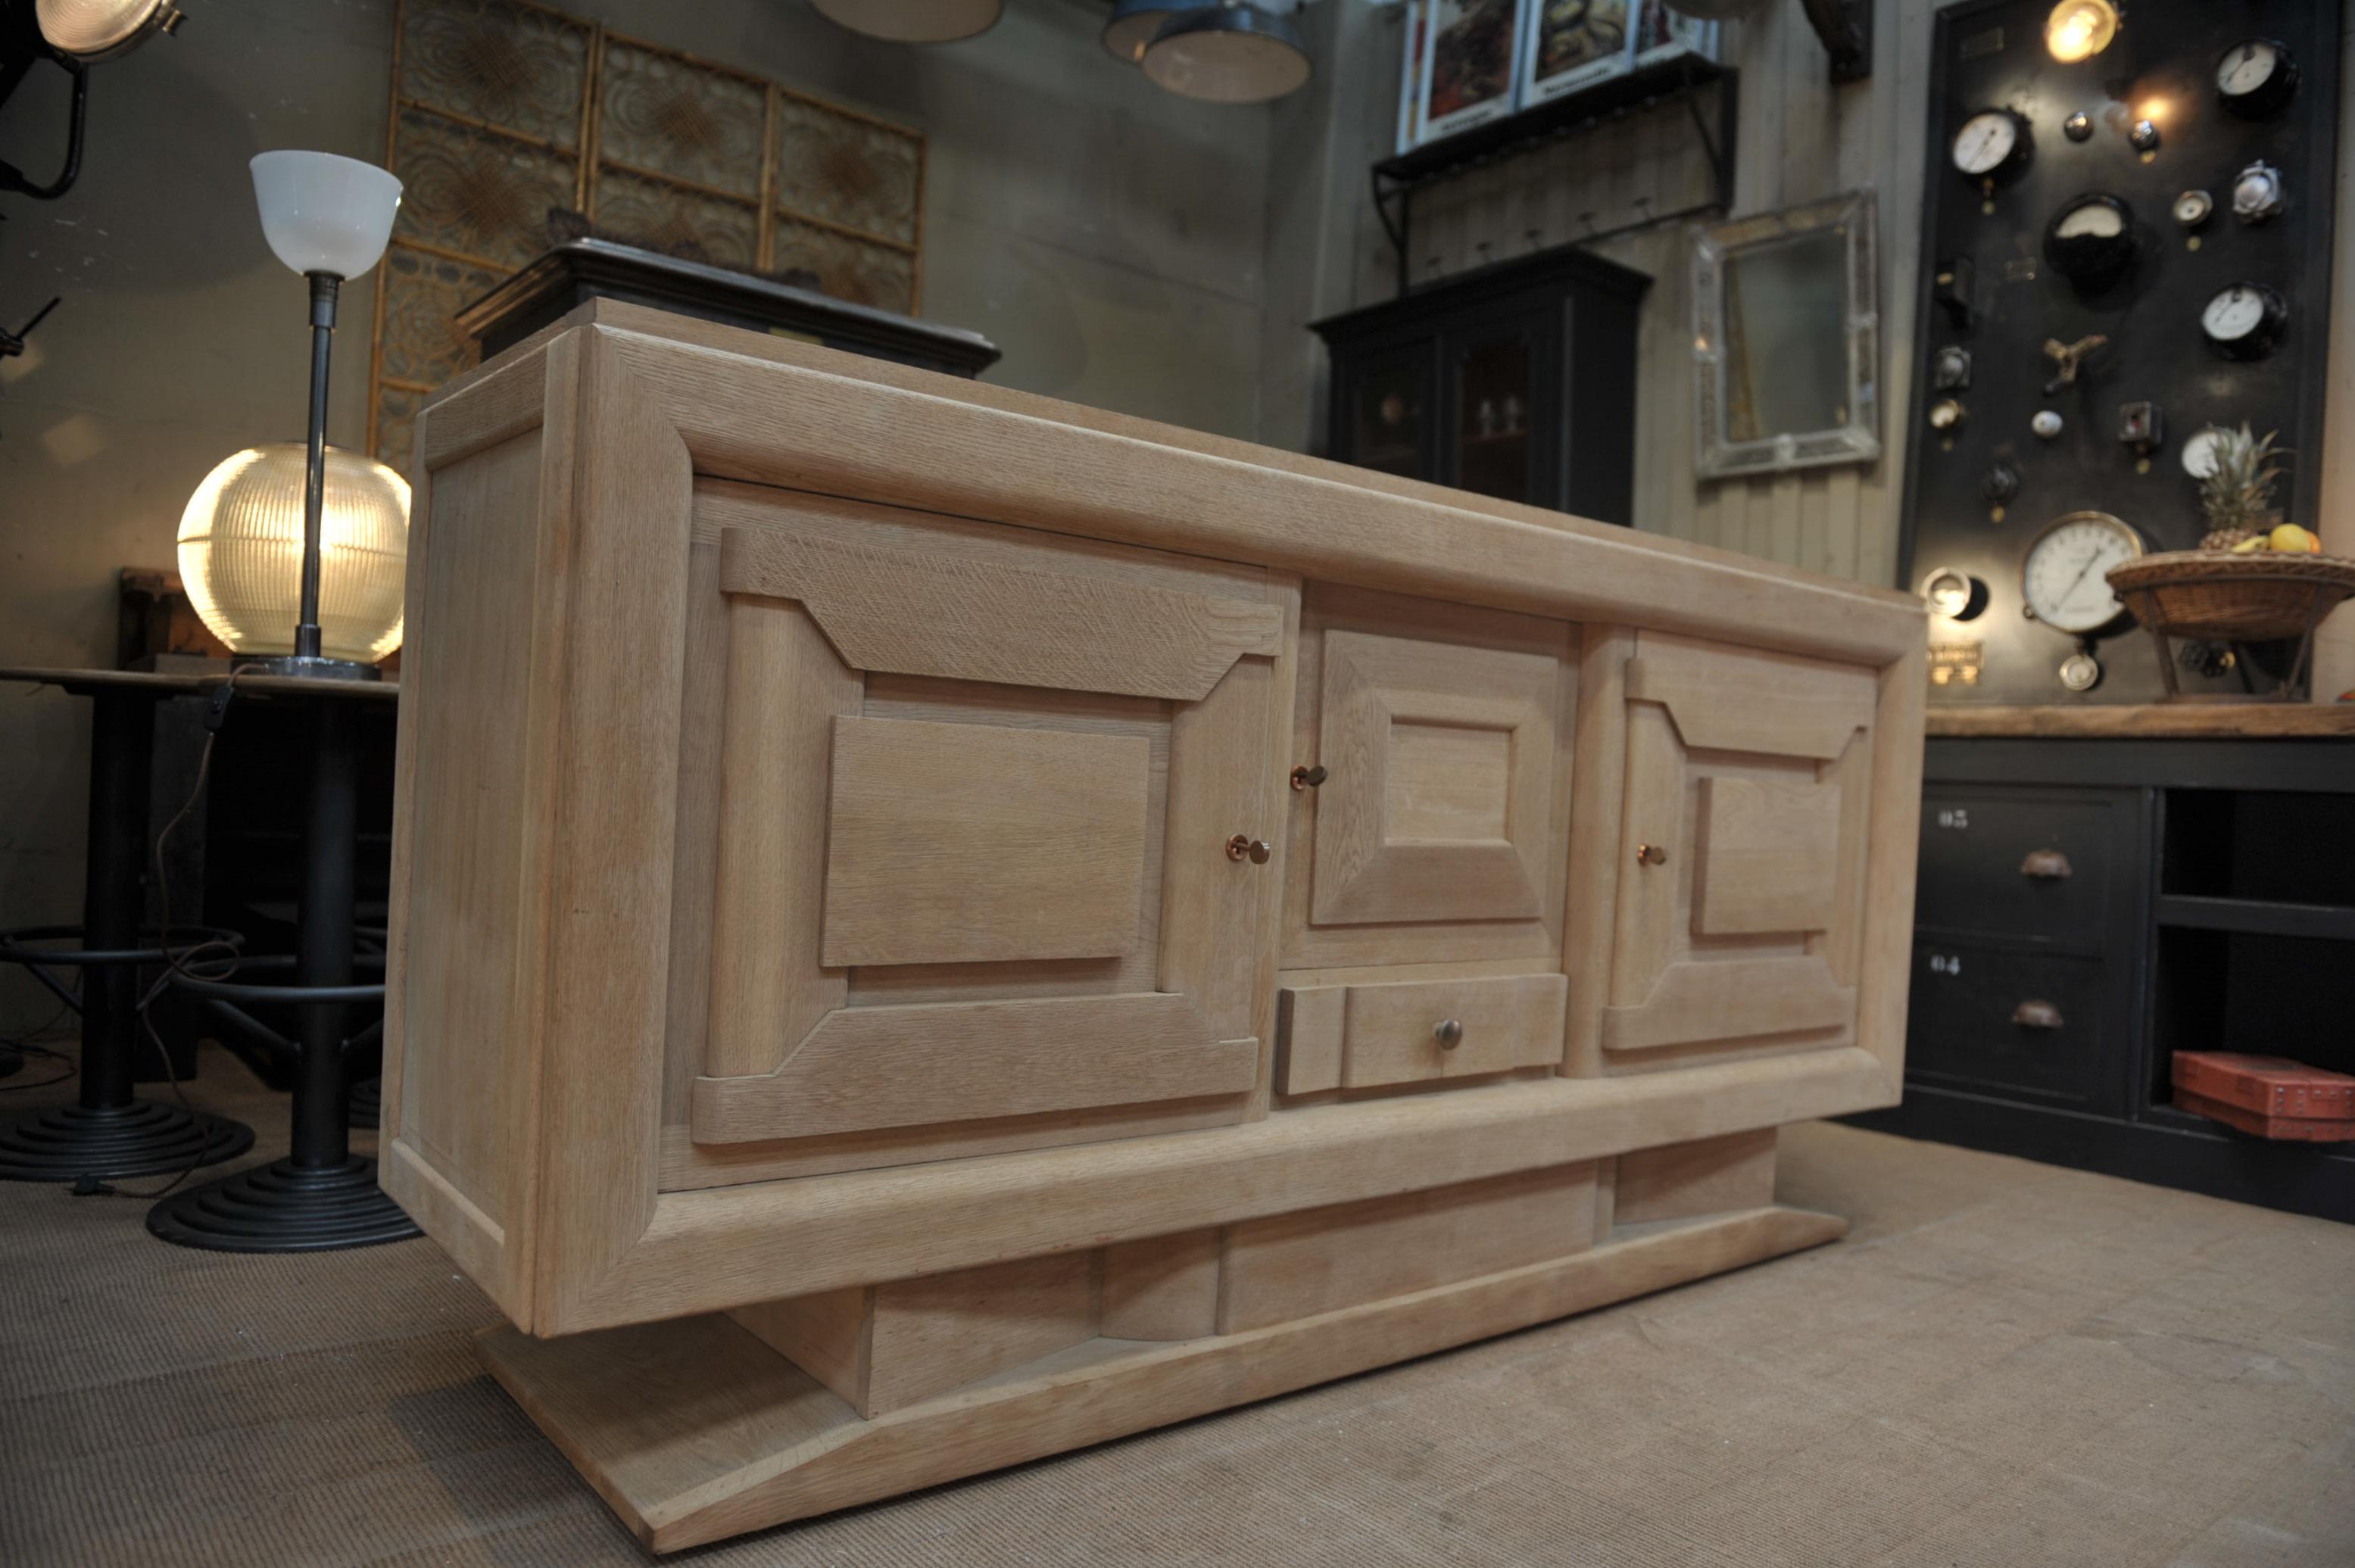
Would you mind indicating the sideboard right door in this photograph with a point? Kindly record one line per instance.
(1740, 886)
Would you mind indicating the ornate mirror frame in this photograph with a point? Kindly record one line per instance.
(1715, 248)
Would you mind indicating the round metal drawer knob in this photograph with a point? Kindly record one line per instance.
(1448, 1032)
(1650, 855)
(1256, 850)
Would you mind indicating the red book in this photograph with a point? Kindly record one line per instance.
(2291, 1129)
(2268, 1085)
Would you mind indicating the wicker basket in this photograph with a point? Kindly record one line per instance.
(2221, 597)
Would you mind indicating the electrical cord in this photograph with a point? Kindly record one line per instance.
(25, 1045)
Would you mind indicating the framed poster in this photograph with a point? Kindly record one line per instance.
(1573, 44)
(1470, 63)
(1663, 35)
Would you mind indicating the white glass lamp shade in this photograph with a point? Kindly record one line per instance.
(1228, 53)
(241, 552)
(321, 213)
(93, 30)
(913, 21)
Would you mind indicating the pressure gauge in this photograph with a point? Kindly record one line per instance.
(2198, 456)
(1947, 414)
(2257, 192)
(2255, 77)
(2065, 579)
(2091, 240)
(2244, 321)
(1957, 595)
(2192, 208)
(1992, 143)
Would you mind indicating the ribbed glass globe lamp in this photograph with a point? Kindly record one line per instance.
(241, 552)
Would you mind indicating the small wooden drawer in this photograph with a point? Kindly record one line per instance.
(1406, 1031)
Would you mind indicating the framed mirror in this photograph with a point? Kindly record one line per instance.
(1786, 339)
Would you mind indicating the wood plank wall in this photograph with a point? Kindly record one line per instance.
(1797, 138)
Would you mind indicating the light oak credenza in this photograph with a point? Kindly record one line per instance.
(931, 927)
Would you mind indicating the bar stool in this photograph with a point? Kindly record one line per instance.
(109, 1132)
(321, 1196)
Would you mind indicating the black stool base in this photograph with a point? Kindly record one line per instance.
(142, 1138)
(285, 1208)
(366, 1107)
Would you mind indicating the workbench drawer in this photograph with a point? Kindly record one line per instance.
(1407, 1032)
(2018, 862)
(2011, 1023)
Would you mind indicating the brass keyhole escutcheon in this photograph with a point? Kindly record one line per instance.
(1448, 1032)
(1305, 777)
(1257, 850)
(1650, 855)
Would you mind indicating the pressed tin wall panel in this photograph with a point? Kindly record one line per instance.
(516, 126)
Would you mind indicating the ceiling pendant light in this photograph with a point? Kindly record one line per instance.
(1132, 25)
(1228, 53)
(913, 21)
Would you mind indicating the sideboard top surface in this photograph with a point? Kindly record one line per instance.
(873, 429)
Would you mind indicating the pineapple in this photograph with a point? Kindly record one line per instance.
(2238, 494)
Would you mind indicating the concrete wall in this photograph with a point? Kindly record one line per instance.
(1109, 235)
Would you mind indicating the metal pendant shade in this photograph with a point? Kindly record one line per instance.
(1230, 53)
(913, 21)
(1132, 25)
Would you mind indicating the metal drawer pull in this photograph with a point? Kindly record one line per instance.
(2036, 1015)
(1650, 855)
(2049, 864)
(1449, 1033)
(1259, 849)
(1305, 777)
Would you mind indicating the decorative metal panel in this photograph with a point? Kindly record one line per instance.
(517, 126)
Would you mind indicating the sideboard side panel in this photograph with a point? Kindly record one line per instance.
(493, 484)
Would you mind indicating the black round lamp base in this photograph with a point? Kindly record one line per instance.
(144, 1137)
(285, 1208)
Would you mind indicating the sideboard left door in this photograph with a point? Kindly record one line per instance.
(967, 818)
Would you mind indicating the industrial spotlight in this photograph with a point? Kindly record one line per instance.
(2080, 29)
(74, 35)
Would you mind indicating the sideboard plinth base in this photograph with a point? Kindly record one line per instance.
(695, 1429)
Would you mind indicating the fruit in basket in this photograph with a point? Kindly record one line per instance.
(2251, 545)
(2228, 539)
(2238, 492)
(2291, 539)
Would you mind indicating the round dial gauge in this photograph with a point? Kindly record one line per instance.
(1946, 413)
(1991, 141)
(2065, 579)
(2091, 240)
(2244, 321)
(2255, 77)
(1957, 595)
(2081, 671)
(2192, 207)
(2199, 450)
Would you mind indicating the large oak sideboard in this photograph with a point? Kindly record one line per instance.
(932, 926)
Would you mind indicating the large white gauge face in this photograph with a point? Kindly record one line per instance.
(1986, 143)
(2247, 68)
(2065, 579)
(2234, 314)
(2198, 457)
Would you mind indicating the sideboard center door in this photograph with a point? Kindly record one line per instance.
(1743, 854)
(972, 799)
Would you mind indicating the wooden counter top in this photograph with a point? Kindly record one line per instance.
(2153, 722)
